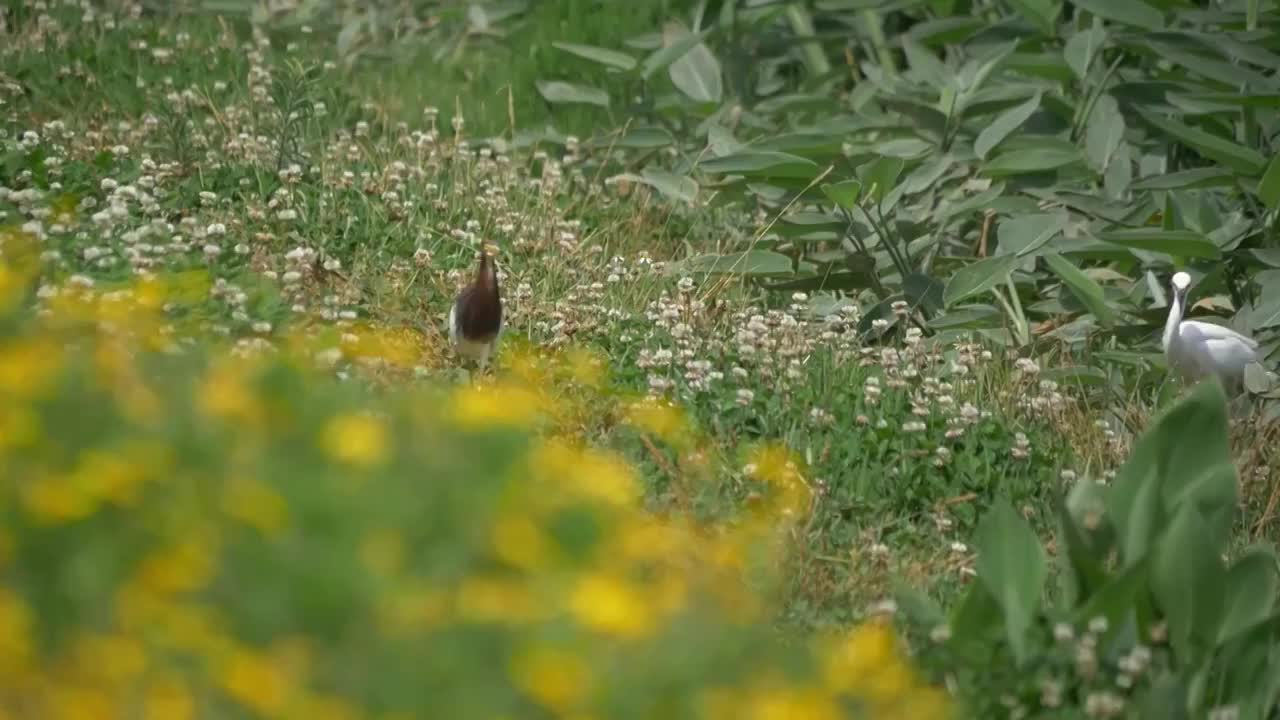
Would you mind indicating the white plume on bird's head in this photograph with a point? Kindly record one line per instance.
(1181, 281)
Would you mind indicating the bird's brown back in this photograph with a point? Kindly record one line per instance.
(479, 305)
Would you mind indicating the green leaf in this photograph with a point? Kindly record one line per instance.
(1022, 235)
(669, 53)
(826, 281)
(1083, 287)
(1187, 578)
(751, 262)
(762, 164)
(1041, 13)
(1081, 49)
(926, 65)
(1005, 123)
(557, 92)
(1031, 160)
(978, 277)
(604, 56)
(1013, 567)
(1126, 12)
(1246, 161)
(1194, 179)
(1172, 242)
(880, 176)
(670, 185)
(923, 291)
(844, 194)
(1269, 186)
(1250, 591)
(1103, 131)
(696, 73)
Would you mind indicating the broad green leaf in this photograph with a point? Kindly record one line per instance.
(1022, 235)
(1081, 49)
(923, 291)
(557, 92)
(669, 53)
(1172, 242)
(604, 56)
(973, 203)
(670, 185)
(1031, 160)
(1005, 123)
(1118, 599)
(762, 164)
(1195, 178)
(1250, 591)
(972, 622)
(1127, 12)
(1041, 13)
(844, 194)
(1012, 565)
(978, 277)
(1266, 312)
(696, 73)
(1269, 186)
(925, 176)
(826, 281)
(638, 138)
(880, 176)
(1187, 579)
(751, 262)
(926, 65)
(1083, 287)
(1246, 161)
(1103, 131)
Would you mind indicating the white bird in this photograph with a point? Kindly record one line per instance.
(1195, 349)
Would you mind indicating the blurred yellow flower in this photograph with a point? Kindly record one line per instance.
(585, 474)
(255, 682)
(225, 395)
(611, 605)
(55, 500)
(412, 609)
(586, 367)
(114, 659)
(19, 426)
(479, 408)
(660, 419)
(168, 698)
(518, 541)
(786, 703)
(183, 567)
(109, 476)
(255, 504)
(15, 633)
(28, 366)
(557, 679)
(497, 600)
(359, 439)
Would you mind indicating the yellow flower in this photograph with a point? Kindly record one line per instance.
(518, 541)
(611, 605)
(185, 567)
(793, 704)
(852, 660)
(255, 682)
(255, 504)
(71, 702)
(413, 609)
(557, 679)
(225, 395)
(504, 405)
(660, 419)
(109, 476)
(55, 500)
(19, 426)
(356, 439)
(15, 633)
(116, 659)
(497, 600)
(29, 366)
(586, 367)
(585, 474)
(168, 699)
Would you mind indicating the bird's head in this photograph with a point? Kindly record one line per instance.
(1181, 282)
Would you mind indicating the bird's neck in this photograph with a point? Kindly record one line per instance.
(486, 277)
(1175, 318)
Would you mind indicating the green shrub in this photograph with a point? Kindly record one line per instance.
(1155, 618)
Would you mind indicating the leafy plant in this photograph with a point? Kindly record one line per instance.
(1153, 615)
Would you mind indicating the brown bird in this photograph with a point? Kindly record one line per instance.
(475, 321)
